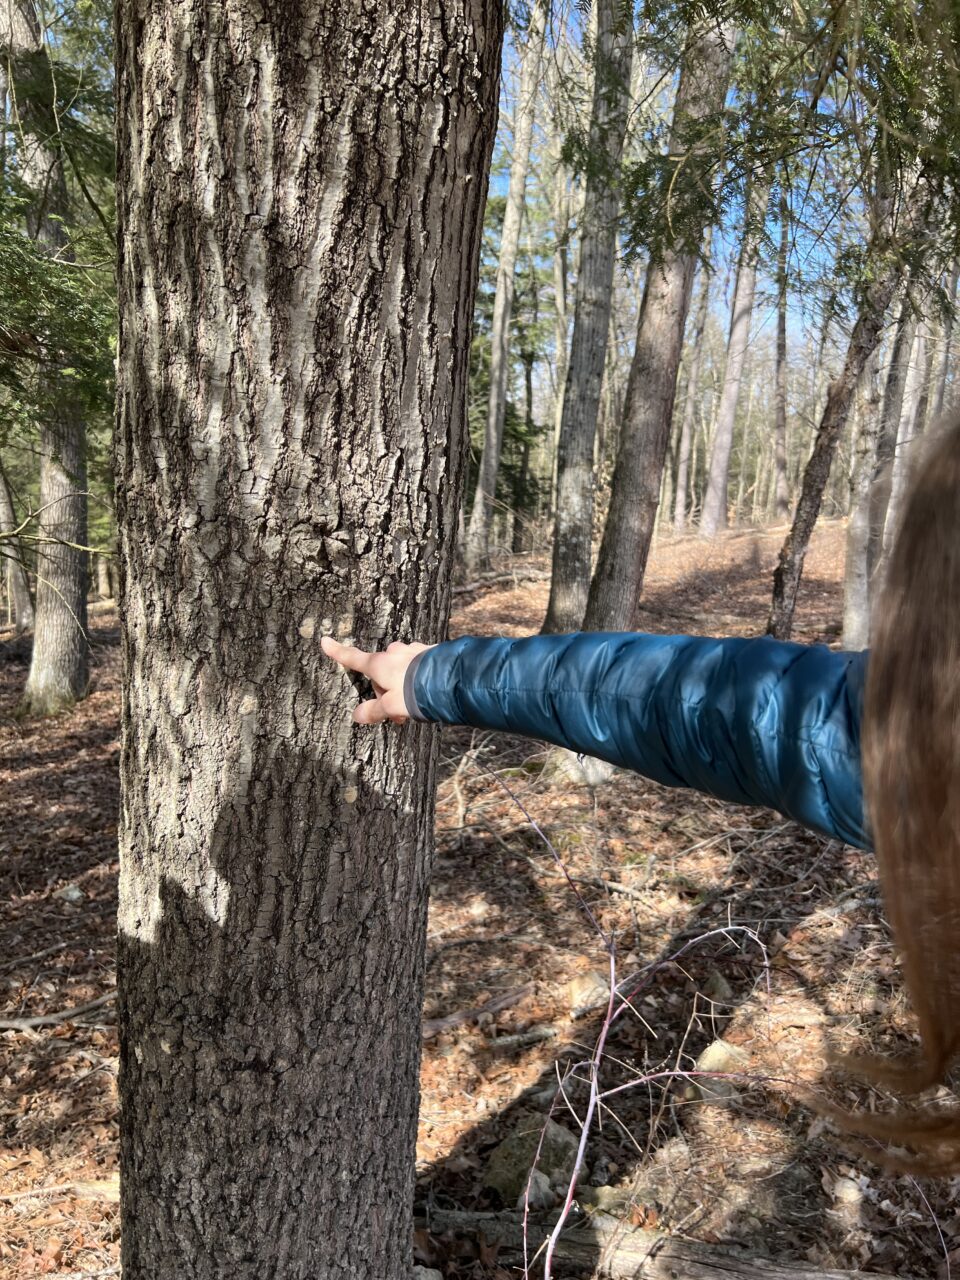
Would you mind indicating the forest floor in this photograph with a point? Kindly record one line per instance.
(784, 955)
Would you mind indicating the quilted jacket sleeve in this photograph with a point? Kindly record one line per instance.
(752, 721)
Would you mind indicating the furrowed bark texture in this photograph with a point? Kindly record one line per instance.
(714, 515)
(651, 387)
(863, 341)
(12, 561)
(300, 200)
(911, 425)
(573, 527)
(476, 546)
(59, 663)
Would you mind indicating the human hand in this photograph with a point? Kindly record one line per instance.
(385, 671)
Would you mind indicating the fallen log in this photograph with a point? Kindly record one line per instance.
(620, 1252)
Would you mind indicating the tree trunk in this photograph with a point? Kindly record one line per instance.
(856, 577)
(910, 426)
(781, 486)
(573, 521)
(103, 577)
(946, 333)
(12, 559)
(652, 384)
(521, 509)
(476, 547)
(863, 341)
(296, 274)
(714, 515)
(889, 431)
(59, 664)
(693, 382)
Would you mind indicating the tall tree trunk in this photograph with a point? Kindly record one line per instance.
(476, 547)
(946, 334)
(714, 514)
(856, 577)
(693, 382)
(59, 664)
(910, 426)
(521, 510)
(290, 459)
(573, 521)
(889, 431)
(652, 384)
(12, 559)
(781, 486)
(863, 341)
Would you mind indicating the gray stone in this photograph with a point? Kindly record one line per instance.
(540, 1195)
(510, 1163)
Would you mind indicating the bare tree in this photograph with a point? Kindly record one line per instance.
(573, 529)
(714, 514)
(12, 559)
(651, 387)
(58, 669)
(693, 384)
(477, 541)
(781, 486)
(295, 309)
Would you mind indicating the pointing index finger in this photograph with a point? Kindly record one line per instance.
(352, 658)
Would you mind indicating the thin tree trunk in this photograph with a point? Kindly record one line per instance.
(573, 521)
(946, 334)
(652, 385)
(59, 664)
(290, 452)
(714, 514)
(889, 431)
(693, 382)
(11, 556)
(476, 546)
(863, 341)
(856, 577)
(520, 505)
(781, 485)
(910, 427)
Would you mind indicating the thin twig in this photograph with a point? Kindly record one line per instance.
(54, 1019)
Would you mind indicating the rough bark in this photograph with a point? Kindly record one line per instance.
(856, 577)
(476, 546)
(863, 342)
(59, 664)
(300, 200)
(713, 518)
(652, 383)
(781, 487)
(593, 299)
(12, 560)
(693, 382)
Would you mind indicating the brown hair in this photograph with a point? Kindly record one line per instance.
(911, 775)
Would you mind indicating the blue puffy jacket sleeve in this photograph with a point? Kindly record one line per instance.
(752, 721)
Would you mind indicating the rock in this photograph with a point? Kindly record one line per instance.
(609, 1199)
(71, 893)
(603, 1170)
(718, 989)
(426, 1273)
(541, 1195)
(562, 765)
(510, 1163)
(719, 1056)
(587, 991)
